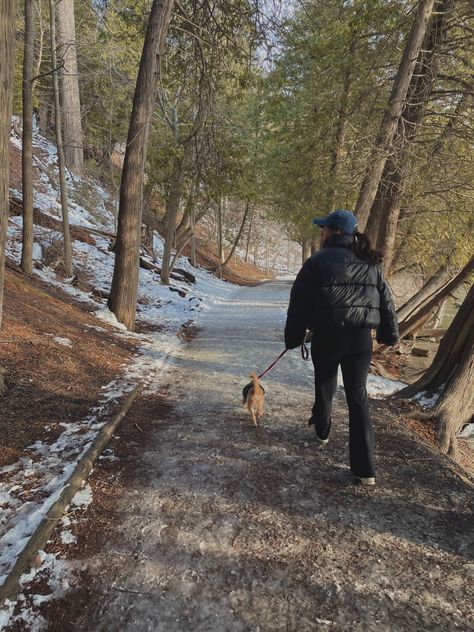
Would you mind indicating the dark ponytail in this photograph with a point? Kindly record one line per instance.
(363, 249)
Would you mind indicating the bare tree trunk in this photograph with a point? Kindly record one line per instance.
(424, 294)
(27, 140)
(70, 99)
(220, 244)
(306, 249)
(193, 237)
(452, 366)
(124, 290)
(411, 323)
(239, 235)
(454, 408)
(439, 315)
(59, 144)
(176, 188)
(7, 57)
(392, 113)
(249, 236)
(185, 238)
(172, 208)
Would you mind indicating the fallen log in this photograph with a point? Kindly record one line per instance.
(178, 274)
(431, 333)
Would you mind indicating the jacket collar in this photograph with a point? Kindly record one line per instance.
(339, 241)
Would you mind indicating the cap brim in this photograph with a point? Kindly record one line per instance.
(320, 221)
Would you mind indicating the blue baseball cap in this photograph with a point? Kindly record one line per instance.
(344, 221)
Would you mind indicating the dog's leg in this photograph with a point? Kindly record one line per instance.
(254, 418)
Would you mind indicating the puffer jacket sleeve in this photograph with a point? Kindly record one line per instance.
(387, 331)
(299, 309)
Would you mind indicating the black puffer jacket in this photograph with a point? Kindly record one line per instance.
(336, 290)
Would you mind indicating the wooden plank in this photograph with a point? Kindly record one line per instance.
(11, 587)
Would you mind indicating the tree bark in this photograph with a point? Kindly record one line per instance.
(452, 366)
(70, 98)
(409, 325)
(27, 140)
(392, 113)
(124, 289)
(424, 294)
(59, 144)
(448, 351)
(7, 58)
(439, 315)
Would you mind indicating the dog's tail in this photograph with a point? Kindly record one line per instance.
(254, 378)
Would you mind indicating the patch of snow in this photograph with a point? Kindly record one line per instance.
(468, 431)
(59, 574)
(37, 252)
(109, 317)
(428, 400)
(379, 387)
(6, 613)
(83, 498)
(65, 342)
(67, 537)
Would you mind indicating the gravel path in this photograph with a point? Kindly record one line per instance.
(231, 528)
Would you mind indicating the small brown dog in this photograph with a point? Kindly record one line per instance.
(254, 398)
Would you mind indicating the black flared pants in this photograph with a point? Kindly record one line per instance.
(352, 351)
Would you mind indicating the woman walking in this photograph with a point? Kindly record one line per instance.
(340, 295)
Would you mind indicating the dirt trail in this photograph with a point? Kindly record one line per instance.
(228, 528)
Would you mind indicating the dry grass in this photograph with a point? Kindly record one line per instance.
(50, 384)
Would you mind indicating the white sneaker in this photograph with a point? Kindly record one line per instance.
(370, 480)
(321, 441)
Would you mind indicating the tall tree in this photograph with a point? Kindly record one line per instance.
(27, 139)
(392, 112)
(7, 52)
(67, 247)
(124, 290)
(70, 98)
(383, 219)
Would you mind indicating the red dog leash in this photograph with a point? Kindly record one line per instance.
(304, 354)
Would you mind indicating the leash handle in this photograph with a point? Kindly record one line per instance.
(304, 355)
